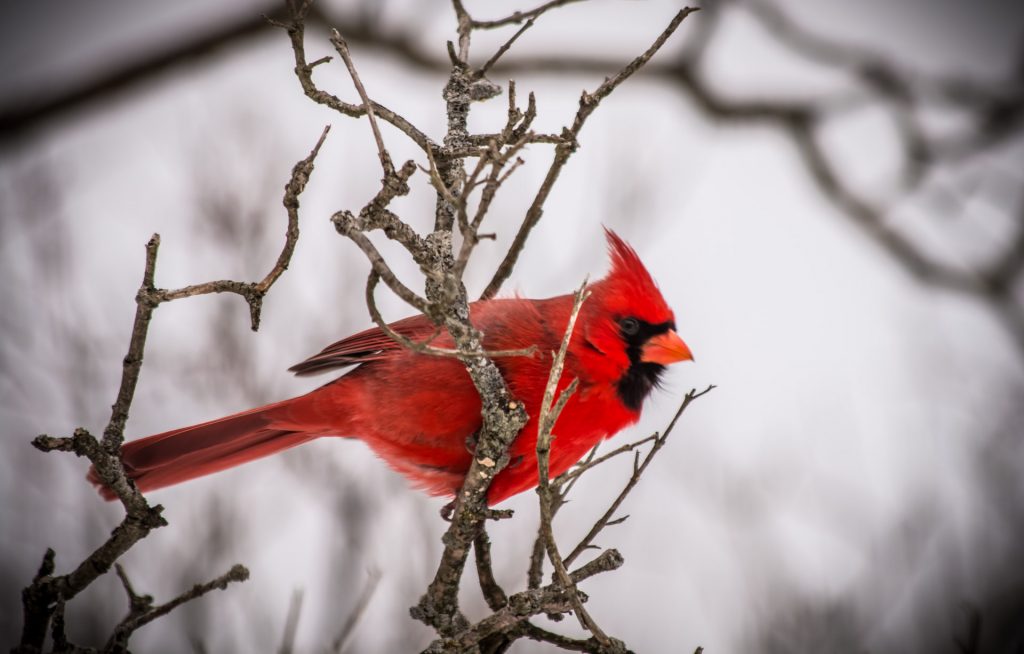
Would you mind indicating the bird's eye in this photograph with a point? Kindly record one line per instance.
(630, 326)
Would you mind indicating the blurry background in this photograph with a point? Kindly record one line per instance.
(830, 195)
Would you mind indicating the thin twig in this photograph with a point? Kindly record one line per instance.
(137, 604)
(46, 592)
(119, 640)
(356, 614)
(465, 26)
(304, 72)
(382, 152)
(41, 597)
(291, 623)
(577, 471)
(301, 173)
(519, 16)
(550, 599)
(638, 470)
(504, 48)
(494, 181)
(344, 223)
(145, 303)
(560, 482)
(565, 149)
(549, 410)
(560, 490)
(254, 292)
(493, 593)
(424, 347)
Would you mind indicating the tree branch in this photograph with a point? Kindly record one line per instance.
(46, 592)
(565, 149)
(142, 612)
(638, 470)
(342, 47)
(254, 292)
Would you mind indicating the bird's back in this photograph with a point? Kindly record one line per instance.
(420, 413)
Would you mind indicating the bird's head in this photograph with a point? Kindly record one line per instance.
(628, 333)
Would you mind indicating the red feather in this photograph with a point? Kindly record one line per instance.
(420, 413)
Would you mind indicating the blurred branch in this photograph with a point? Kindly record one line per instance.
(504, 48)
(971, 644)
(291, 623)
(356, 614)
(519, 16)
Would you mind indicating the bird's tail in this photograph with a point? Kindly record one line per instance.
(182, 454)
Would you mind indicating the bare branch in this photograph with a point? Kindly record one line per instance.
(464, 27)
(344, 222)
(584, 466)
(494, 595)
(291, 623)
(521, 606)
(137, 619)
(46, 592)
(304, 72)
(424, 347)
(565, 149)
(638, 470)
(137, 604)
(356, 614)
(253, 293)
(342, 47)
(504, 48)
(519, 16)
(301, 173)
(549, 411)
(113, 435)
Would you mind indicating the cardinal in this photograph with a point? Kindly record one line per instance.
(420, 412)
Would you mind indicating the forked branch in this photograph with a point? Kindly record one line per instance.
(43, 600)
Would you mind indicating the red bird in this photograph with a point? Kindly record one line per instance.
(420, 412)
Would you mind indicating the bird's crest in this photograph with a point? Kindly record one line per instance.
(628, 286)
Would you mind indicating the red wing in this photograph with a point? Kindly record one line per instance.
(370, 345)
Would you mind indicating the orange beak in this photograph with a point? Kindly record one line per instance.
(665, 349)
